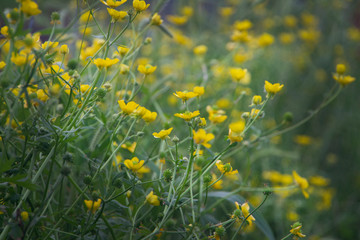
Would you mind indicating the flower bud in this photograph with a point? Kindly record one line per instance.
(288, 117)
(64, 49)
(340, 69)
(87, 180)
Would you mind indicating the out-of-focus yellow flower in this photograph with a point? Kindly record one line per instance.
(2, 64)
(129, 146)
(217, 185)
(146, 69)
(353, 34)
(116, 15)
(124, 69)
(187, 11)
(117, 161)
(277, 178)
(134, 164)
(238, 74)
(18, 60)
(199, 90)
(319, 181)
(296, 230)
(273, 88)
(343, 80)
(149, 116)
(24, 216)
(163, 133)
(286, 38)
(203, 138)
(240, 36)
(140, 5)
(187, 116)
(302, 182)
(113, 3)
(85, 17)
(265, 40)
(101, 63)
(30, 8)
(153, 199)
(245, 211)
(41, 95)
(49, 45)
(235, 131)
(185, 95)
(92, 205)
(216, 115)
(309, 36)
(5, 31)
(123, 50)
(200, 50)
(340, 69)
(129, 107)
(64, 49)
(243, 25)
(290, 21)
(303, 140)
(156, 19)
(226, 11)
(177, 20)
(225, 168)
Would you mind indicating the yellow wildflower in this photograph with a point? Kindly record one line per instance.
(117, 161)
(149, 116)
(216, 116)
(92, 205)
(18, 60)
(200, 50)
(134, 164)
(140, 5)
(343, 80)
(245, 211)
(187, 116)
(153, 199)
(216, 185)
(340, 69)
(256, 100)
(202, 122)
(238, 74)
(64, 49)
(24, 216)
(296, 230)
(124, 69)
(123, 50)
(242, 25)
(199, 90)
(146, 69)
(113, 3)
(273, 88)
(235, 131)
(225, 168)
(129, 107)
(177, 20)
(290, 21)
(2, 64)
(201, 137)
(163, 133)
(156, 19)
(101, 63)
(226, 11)
(303, 140)
(130, 147)
(319, 181)
(49, 45)
(187, 11)
(5, 31)
(265, 40)
(30, 8)
(116, 15)
(185, 95)
(302, 182)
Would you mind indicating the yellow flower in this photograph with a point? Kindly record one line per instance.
(130, 147)
(218, 184)
(92, 206)
(202, 122)
(245, 211)
(187, 11)
(2, 64)
(265, 40)
(5, 31)
(124, 69)
(64, 49)
(319, 181)
(18, 60)
(273, 88)
(113, 3)
(296, 230)
(140, 5)
(340, 69)
(146, 69)
(156, 19)
(290, 21)
(200, 50)
(117, 161)
(225, 168)
(226, 11)
(237, 74)
(101, 63)
(286, 38)
(256, 100)
(129, 107)
(235, 131)
(302, 182)
(24, 216)
(134, 164)
(149, 116)
(153, 199)
(187, 116)
(199, 90)
(123, 50)
(201, 137)
(303, 140)
(30, 8)
(216, 116)
(343, 80)
(163, 133)
(185, 95)
(177, 20)
(116, 15)
(243, 25)
(49, 45)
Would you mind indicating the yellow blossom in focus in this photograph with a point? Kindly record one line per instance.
(149, 116)
(256, 100)
(101, 63)
(134, 164)
(235, 131)
(116, 15)
(113, 3)
(225, 168)
(163, 133)
(203, 138)
(30, 8)
(92, 205)
(273, 88)
(296, 230)
(245, 211)
(200, 50)
(238, 74)
(146, 69)
(130, 147)
(185, 95)
(140, 5)
(153, 199)
(187, 116)
(302, 182)
(156, 19)
(202, 122)
(129, 107)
